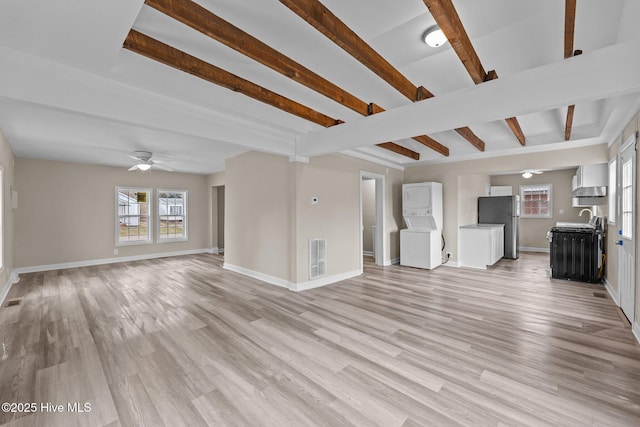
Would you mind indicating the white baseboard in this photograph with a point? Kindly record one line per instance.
(257, 275)
(612, 292)
(367, 253)
(532, 249)
(296, 287)
(636, 331)
(323, 281)
(114, 260)
(451, 264)
(13, 278)
(394, 261)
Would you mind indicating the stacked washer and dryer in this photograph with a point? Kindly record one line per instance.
(421, 241)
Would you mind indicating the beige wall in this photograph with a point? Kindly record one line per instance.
(270, 218)
(335, 179)
(470, 187)
(258, 223)
(216, 212)
(533, 231)
(67, 211)
(368, 213)
(7, 160)
(448, 173)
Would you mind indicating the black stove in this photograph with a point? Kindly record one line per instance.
(576, 251)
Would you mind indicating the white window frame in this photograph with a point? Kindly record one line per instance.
(150, 228)
(613, 191)
(523, 188)
(185, 216)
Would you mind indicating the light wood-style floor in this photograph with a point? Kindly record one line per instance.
(180, 341)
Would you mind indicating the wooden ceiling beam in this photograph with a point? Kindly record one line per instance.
(316, 14)
(158, 51)
(570, 112)
(321, 18)
(168, 55)
(206, 22)
(569, 27)
(447, 18)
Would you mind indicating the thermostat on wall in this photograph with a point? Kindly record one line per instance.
(314, 200)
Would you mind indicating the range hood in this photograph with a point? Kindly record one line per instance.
(589, 192)
(590, 181)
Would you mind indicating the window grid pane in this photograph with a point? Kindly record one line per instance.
(536, 200)
(627, 200)
(172, 215)
(133, 215)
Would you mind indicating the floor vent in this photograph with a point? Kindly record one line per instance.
(13, 303)
(599, 295)
(317, 257)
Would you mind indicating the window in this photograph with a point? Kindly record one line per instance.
(133, 216)
(172, 215)
(536, 201)
(627, 199)
(612, 192)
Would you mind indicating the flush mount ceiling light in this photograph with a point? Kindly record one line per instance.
(527, 175)
(434, 36)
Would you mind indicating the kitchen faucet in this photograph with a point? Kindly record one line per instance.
(588, 210)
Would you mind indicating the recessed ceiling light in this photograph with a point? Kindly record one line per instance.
(434, 36)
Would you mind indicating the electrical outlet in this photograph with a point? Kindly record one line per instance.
(115, 252)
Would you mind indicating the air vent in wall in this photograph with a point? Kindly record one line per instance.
(317, 257)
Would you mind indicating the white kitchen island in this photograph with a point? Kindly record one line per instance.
(481, 245)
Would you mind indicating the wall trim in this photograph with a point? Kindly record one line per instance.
(394, 261)
(532, 249)
(367, 253)
(257, 275)
(12, 279)
(115, 260)
(296, 287)
(636, 331)
(612, 292)
(323, 281)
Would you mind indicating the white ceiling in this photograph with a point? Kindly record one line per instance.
(70, 92)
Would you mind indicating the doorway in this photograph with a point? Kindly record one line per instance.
(372, 229)
(217, 219)
(626, 232)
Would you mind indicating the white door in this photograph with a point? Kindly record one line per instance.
(626, 232)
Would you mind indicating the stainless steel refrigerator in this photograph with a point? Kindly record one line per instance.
(502, 210)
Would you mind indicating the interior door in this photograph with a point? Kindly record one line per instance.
(626, 233)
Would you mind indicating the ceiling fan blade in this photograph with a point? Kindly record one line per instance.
(134, 167)
(134, 158)
(159, 166)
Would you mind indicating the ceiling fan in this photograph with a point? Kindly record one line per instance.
(528, 173)
(145, 163)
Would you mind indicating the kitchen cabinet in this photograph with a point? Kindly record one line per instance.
(481, 244)
(592, 176)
